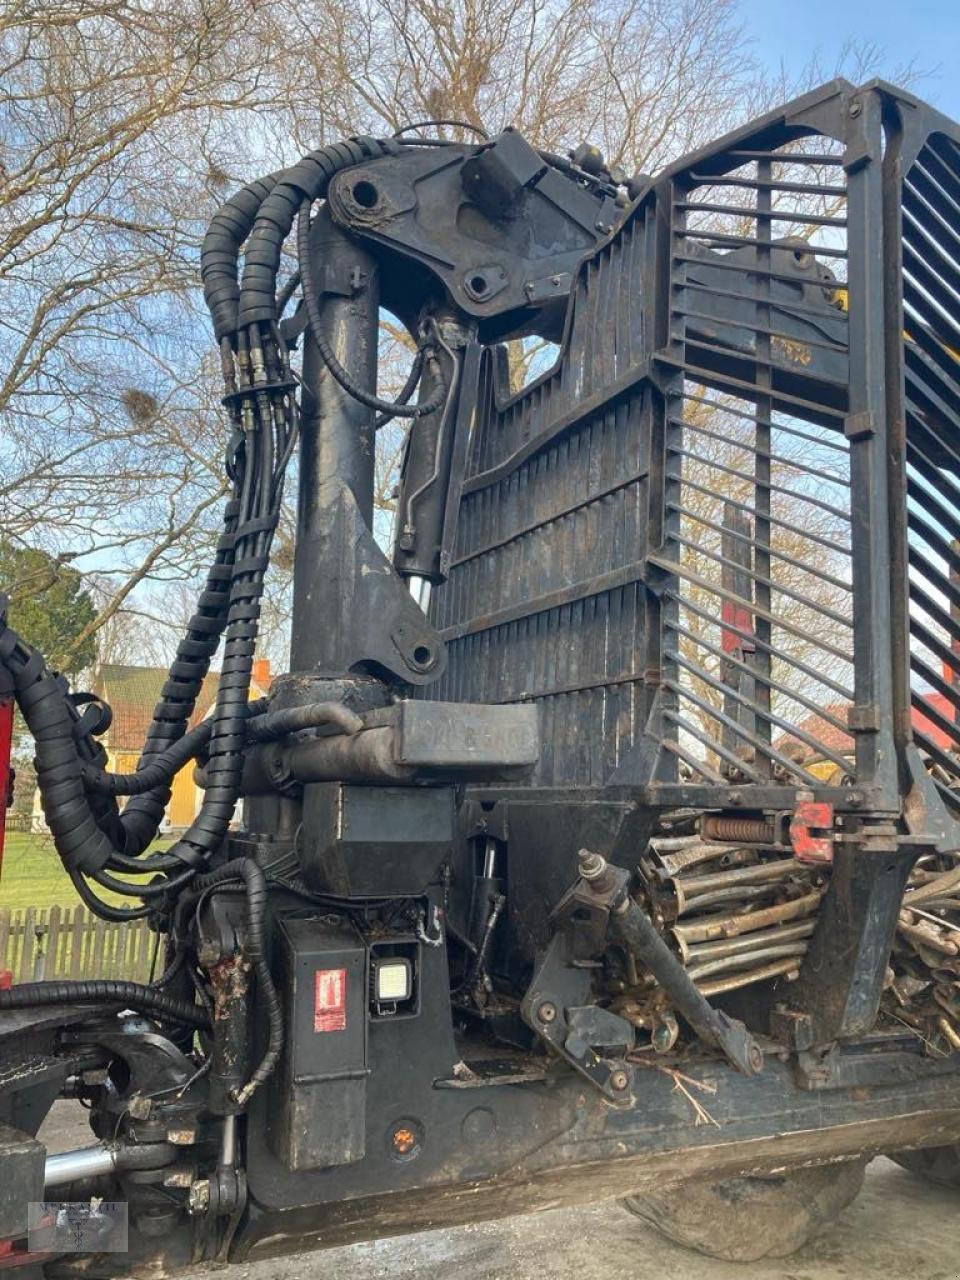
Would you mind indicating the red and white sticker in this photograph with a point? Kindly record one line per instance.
(330, 1000)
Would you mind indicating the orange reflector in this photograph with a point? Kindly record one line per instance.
(404, 1141)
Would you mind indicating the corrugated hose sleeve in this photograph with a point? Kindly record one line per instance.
(29, 995)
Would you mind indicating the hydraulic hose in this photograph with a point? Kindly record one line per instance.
(89, 831)
(262, 726)
(93, 837)
(249, 872)
(160, 770)
(141, 819)
(308, 179)
(28, 995)
(310, 715)
(388, 408)
(220, 253)
(85, 848)
(41, 696)
(405, 392)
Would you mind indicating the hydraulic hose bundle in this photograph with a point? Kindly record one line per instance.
(97, 842)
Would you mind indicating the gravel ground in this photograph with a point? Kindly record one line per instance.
(900, 1228)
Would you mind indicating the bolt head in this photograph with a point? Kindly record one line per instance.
(547, 1012)
(198, 1199)
(591, 865)
(619, 1080)
(139, 1107)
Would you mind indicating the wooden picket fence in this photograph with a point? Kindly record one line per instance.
(71, 942)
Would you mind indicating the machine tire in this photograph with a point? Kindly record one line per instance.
(937, 1164)
(749, 1218)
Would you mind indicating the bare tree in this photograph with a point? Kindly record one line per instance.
(116, 117)
(629, 74)
(123, 123)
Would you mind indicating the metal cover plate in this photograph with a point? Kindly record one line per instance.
(454, 734)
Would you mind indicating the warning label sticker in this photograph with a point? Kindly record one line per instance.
(330, 1000)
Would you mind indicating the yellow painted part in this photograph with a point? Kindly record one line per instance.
(842, 300)
(828, 773)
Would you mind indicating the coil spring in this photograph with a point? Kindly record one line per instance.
(753, 830)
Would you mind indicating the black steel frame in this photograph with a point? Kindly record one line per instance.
(568, 578)
(562, 585)
(619, 381)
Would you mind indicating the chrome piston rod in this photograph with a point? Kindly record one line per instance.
(102, 1159)
(85, 1162)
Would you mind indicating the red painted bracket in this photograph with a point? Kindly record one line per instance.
(811, 832)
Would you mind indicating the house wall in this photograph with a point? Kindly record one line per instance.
(184, 799)
(185, 794)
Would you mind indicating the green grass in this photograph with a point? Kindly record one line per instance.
(32, 875)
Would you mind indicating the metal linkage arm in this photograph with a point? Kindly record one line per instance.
(599, 909)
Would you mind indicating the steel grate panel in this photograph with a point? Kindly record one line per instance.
(667, 542)
(931, 305)
(758, 648)
(544, 597)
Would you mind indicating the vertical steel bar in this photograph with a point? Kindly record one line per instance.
(843, 973)
(896, 425)
(673, 408)
(872, 715)
(337, 442)
(762, 473)
(735, 577)
(660, 397)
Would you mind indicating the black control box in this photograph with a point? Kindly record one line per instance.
(319, 1101)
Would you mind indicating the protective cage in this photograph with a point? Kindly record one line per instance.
(692, 540)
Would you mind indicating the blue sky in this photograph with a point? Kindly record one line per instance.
(923, 32)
